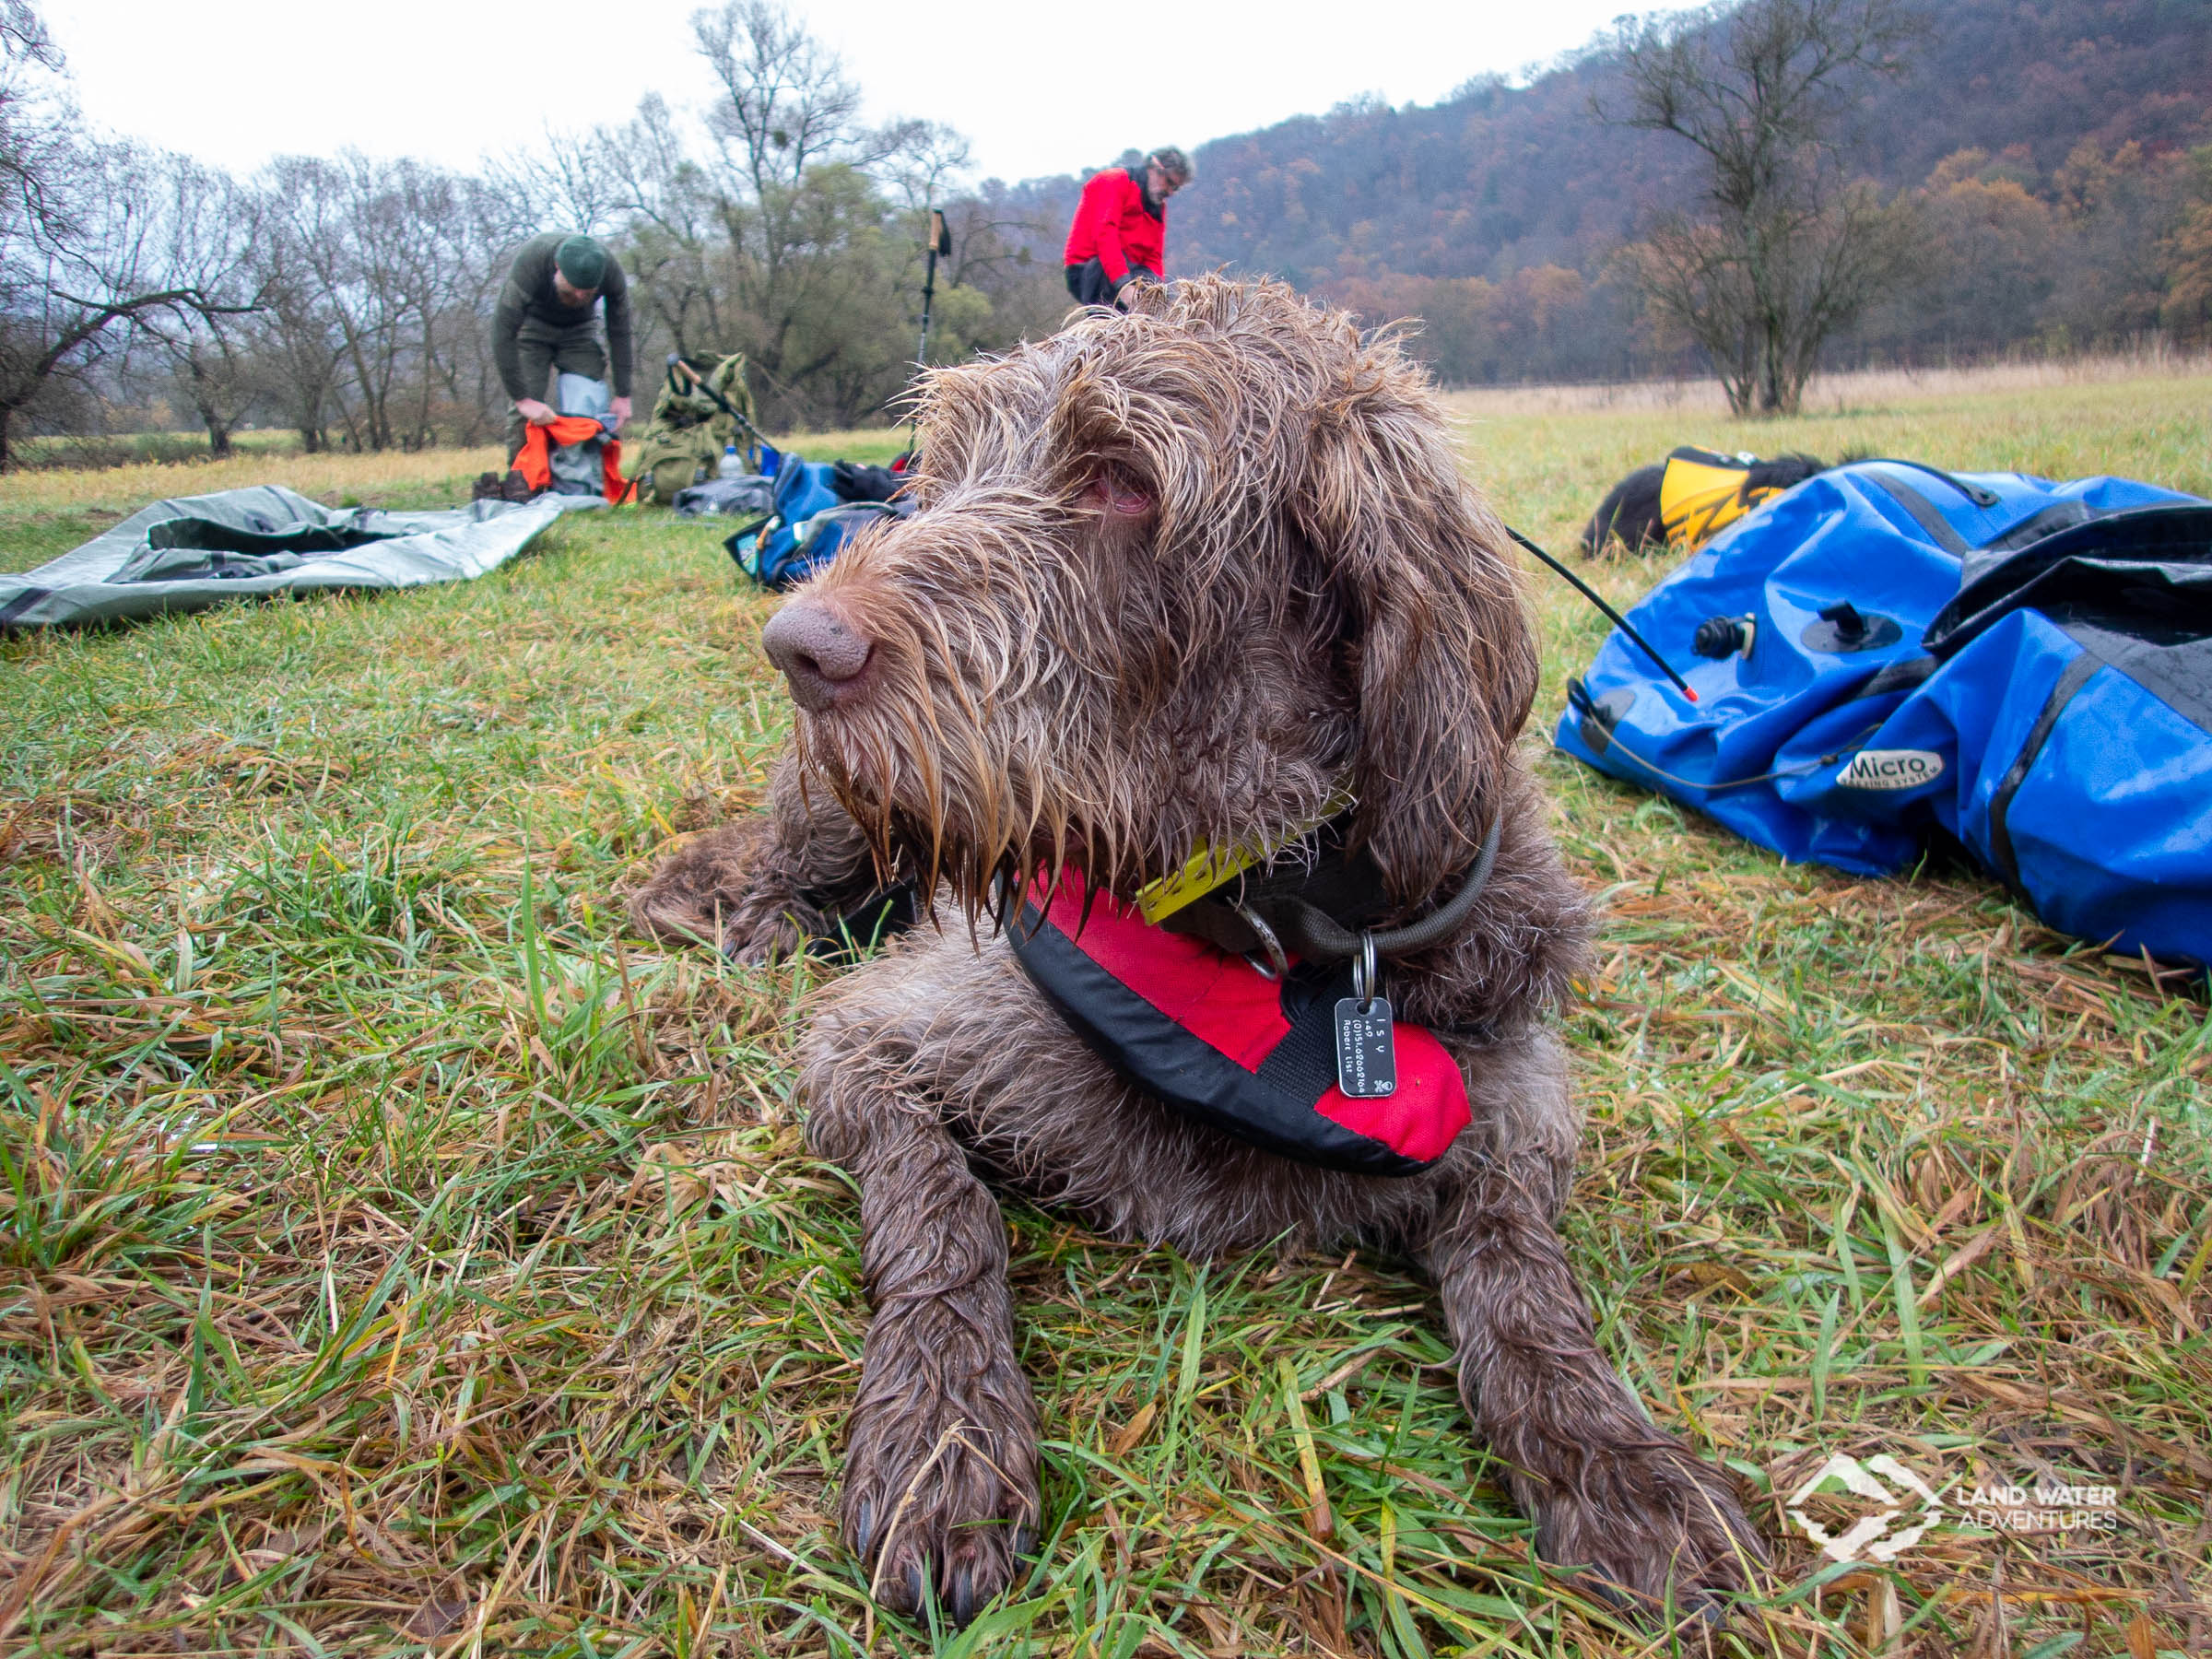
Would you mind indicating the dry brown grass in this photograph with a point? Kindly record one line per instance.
(327, 477)
(1852, 390)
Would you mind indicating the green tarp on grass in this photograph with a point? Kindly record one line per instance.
(196, 551)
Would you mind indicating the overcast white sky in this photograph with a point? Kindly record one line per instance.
(1037, 88)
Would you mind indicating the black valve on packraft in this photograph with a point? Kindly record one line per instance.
(1718, 637)
(1843, 628)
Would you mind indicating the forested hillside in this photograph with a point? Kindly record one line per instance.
(2047, 140)
(1499, 178)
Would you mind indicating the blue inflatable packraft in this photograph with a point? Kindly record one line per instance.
(1889, 658)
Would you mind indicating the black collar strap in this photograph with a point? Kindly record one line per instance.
(1353, 887)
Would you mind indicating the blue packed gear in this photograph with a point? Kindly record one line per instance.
(812, 520)
(1889, 658)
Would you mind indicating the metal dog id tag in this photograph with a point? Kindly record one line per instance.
(1367, 1059)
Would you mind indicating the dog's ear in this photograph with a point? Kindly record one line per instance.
(1435, 638)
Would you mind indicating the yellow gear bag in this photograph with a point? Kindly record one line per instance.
(1702, 492)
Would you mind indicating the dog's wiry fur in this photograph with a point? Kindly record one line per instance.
(1176, 575)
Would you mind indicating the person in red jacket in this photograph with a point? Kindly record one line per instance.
(1121, 229)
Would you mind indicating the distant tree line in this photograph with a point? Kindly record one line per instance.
(349, 299)
(2109, 250)
(2000, 176)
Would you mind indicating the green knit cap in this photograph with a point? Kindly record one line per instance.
(582, 261)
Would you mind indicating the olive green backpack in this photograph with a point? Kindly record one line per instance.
(682, 444)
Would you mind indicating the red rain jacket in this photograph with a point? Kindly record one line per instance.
(1115, 226)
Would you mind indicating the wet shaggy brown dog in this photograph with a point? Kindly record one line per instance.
(1177, 576)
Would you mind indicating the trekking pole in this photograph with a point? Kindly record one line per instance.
(940, 241)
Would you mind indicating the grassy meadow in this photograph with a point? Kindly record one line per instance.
(396, 1258)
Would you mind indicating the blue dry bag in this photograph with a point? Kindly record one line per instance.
(773, 552)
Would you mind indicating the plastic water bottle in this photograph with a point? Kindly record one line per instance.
(732, 465)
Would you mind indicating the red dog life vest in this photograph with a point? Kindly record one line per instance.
(1215, 1038)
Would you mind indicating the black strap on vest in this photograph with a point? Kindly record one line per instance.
(1923, 514)
(1352, 887)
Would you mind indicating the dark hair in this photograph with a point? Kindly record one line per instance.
(1172, 162)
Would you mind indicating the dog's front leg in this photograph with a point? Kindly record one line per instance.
(760, 887)
(940, 1486)
(1608, 1491)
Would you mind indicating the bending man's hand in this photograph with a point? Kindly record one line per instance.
(620, 409)
(1138, 276)
(536, 413)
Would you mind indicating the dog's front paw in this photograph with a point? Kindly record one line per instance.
(758, 935)
(726, 888)
(1653, 1526)
(936, 1504)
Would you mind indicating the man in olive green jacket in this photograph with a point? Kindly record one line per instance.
(544, 322)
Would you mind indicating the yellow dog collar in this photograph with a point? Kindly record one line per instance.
(1211, 865)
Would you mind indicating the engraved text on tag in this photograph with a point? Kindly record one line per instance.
(1367, 1061)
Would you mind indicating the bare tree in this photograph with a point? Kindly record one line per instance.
(36, 117)
(1789, 248)
(921, 159)
(489, 221)
(376, 280)
(88, 252)
(426, 259)
(785, 135)
(377, 261)
(1009, 250)
(92, 235)
(789, 104)
(569, 179)
(673, 247)
(296, 334)
(811, 264)
(208, 350)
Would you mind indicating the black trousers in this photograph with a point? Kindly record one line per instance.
(1089, 284)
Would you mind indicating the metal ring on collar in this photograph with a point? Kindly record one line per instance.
(1278, 961)
(1364, 972)
(1326, 939)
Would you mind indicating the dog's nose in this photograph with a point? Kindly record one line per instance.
(819, 654)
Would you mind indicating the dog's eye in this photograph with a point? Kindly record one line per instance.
(1117, 492)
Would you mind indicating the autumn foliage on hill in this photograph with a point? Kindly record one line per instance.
(2053, 150)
